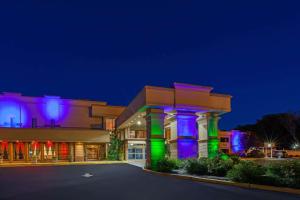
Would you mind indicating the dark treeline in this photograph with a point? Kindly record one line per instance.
(282, 128)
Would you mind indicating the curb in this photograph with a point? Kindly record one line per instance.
(10, 165)
(229, 183)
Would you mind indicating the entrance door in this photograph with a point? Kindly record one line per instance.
(92, 152)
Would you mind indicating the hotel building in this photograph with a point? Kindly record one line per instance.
(181, 121)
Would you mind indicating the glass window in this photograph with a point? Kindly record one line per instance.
(109, 124)
(4, 150)
(34, 150)
(49, 150)
(136, 152)
(224, 139)
(19, 151)
(63, 151)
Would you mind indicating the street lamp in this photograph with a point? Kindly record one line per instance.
(270, 146)
(295, 146)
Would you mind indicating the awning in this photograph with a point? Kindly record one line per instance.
(55, 134)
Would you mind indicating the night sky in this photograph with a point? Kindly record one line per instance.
(108, 50)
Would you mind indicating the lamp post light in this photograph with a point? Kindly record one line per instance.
(270, 146)
(295, 146)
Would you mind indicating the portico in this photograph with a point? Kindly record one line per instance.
(181, 122)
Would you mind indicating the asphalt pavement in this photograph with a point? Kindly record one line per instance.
(115, 181)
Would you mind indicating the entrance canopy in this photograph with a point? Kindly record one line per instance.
(181, 97)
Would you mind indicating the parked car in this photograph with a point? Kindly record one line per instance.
(280, 154)
(255, 154)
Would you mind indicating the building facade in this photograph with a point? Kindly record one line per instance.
(49, 128)
(180, 121)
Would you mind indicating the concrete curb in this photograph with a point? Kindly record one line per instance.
(7, 165)
(229, 183)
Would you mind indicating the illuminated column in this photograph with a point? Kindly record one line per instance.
(155, 137)
(187, 144)
(202, 136)
(213, 141)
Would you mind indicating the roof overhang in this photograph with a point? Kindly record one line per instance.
(183, 97)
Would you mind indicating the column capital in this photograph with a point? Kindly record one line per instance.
(213, 115)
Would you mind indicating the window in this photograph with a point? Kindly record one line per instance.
(225, 151)
(4, 150)
(99, 125)
(34, 123)
(132, 134)
(224, 139)
(109, 124)
(19, 151)
(63, 151)
(52, 123)
(49, 150)
(136, 152)
(140, 134)
(35, 150)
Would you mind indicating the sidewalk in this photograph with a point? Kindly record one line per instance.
(226, 182)
(30, 164)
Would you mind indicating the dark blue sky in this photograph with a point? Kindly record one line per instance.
(108, 50)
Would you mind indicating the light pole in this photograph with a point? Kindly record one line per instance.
(270, 146)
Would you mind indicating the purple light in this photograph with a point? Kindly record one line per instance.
(54, 108)
(237, 141)
(13, 112)
(187, 146)
(186, 125)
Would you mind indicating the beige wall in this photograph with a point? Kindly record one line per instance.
(72, 113)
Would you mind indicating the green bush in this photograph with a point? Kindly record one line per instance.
(197, 166)
(166, 165)
(219, 167)
(246, 172)
(235, 159)
(287, 173)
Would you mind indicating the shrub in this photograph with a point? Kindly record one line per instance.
(166, 165)
(247, 172)
(219, 167)
(235, 159)
(287, 173)
(195, 166)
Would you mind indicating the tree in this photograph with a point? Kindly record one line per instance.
(115, 147)
(283, 129)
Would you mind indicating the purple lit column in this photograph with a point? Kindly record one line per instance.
(187, 144)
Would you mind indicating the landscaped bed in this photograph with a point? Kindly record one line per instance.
(285, 173)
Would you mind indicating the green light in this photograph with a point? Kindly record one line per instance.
(224, 156)
(213, 127)
(157, 128)
(213, 141)
(157, 151)
(213, 147)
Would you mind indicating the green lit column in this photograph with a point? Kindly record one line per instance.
(213, 141)
(155, 137)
